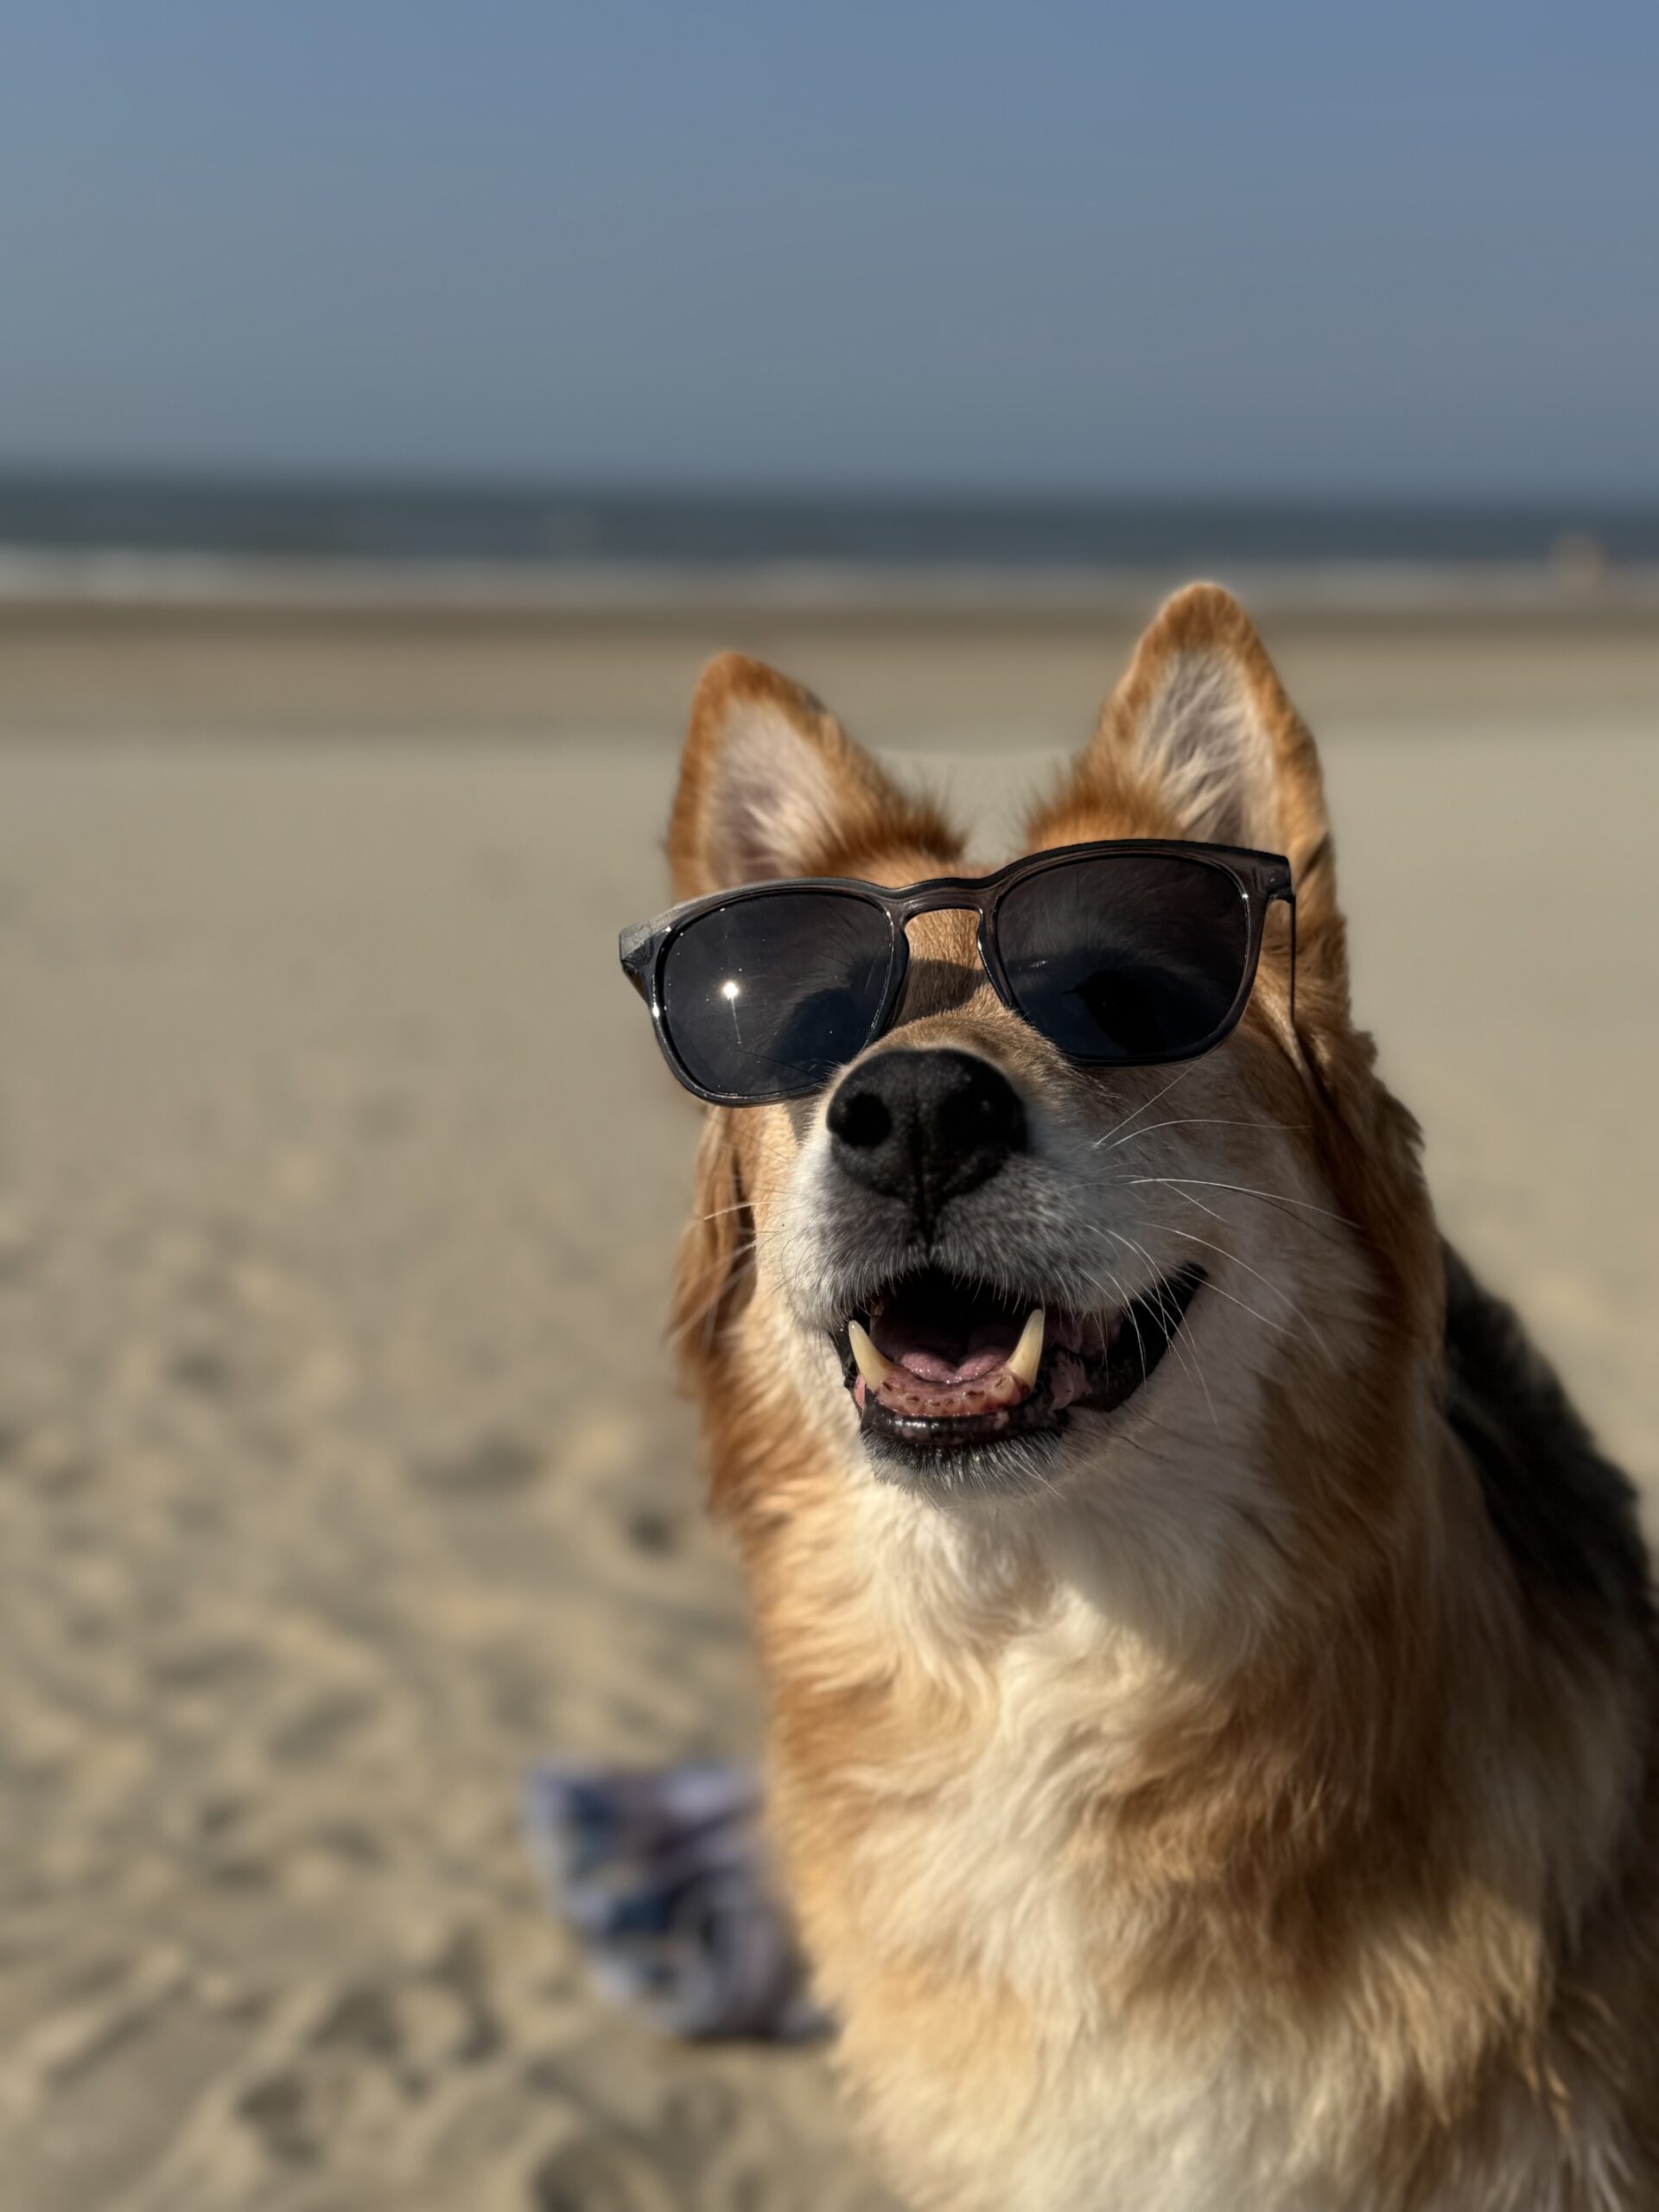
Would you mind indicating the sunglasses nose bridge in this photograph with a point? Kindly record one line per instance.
(943, 902)
(946, 950)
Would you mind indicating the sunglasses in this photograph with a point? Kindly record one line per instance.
(1122, 954)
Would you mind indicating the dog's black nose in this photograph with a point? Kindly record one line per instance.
(926, 1126)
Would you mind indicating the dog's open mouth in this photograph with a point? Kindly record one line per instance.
(936, 1363)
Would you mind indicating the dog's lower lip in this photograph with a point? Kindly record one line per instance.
(1129, 1348)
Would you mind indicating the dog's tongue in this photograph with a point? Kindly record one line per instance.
(987, 1350)
(936, 1376)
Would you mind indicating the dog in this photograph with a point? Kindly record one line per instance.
(1237, 1787)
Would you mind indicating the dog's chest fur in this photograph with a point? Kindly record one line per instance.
(999, 1955)
(1023, 2060)
(987, 1965)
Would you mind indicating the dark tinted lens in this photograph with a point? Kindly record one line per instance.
(771, 995)
(1132, 958)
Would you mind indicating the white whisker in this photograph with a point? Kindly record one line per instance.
(1189, 1199)
(1173, 1325)
(1148, 1106)
(1279, 1197)
(1202, 1121)
(739, 1263)
(1127, 1306)
(1267, 1281)
(1266, 1320)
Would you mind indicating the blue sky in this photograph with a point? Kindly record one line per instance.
(1204, 248)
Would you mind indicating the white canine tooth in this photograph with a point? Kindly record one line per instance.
(1028, 1352)
(872, 1366)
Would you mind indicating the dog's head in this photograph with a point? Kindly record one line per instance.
(1230, 1255)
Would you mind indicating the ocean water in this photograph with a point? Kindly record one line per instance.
(579, 528)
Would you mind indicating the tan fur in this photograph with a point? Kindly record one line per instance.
(1227, 1827)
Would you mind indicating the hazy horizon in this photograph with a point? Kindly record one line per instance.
(406, 520)
(423, 478)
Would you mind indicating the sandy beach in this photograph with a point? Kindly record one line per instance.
(342, 1475)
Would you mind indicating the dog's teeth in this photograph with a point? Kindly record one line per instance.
(1028, 1352)
(872, 1366)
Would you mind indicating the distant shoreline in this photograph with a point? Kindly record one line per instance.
(221, 549)
(91, 584)
(585, 531)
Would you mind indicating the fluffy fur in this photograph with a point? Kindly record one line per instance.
(1260, 1808)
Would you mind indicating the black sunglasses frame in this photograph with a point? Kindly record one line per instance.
(1261, 879)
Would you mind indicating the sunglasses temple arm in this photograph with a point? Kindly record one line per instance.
(1291, 898)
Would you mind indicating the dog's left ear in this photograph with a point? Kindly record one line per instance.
(772, 786)
(1200, 741)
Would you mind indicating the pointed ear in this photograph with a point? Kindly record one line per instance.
(772, 786)
(1200, 741)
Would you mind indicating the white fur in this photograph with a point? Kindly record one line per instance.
(1204, 740)
(773, 798)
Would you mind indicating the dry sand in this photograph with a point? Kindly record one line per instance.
(340, 1472)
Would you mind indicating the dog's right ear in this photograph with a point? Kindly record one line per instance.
(772, 786)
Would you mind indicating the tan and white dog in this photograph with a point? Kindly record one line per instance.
(1250, 1798)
